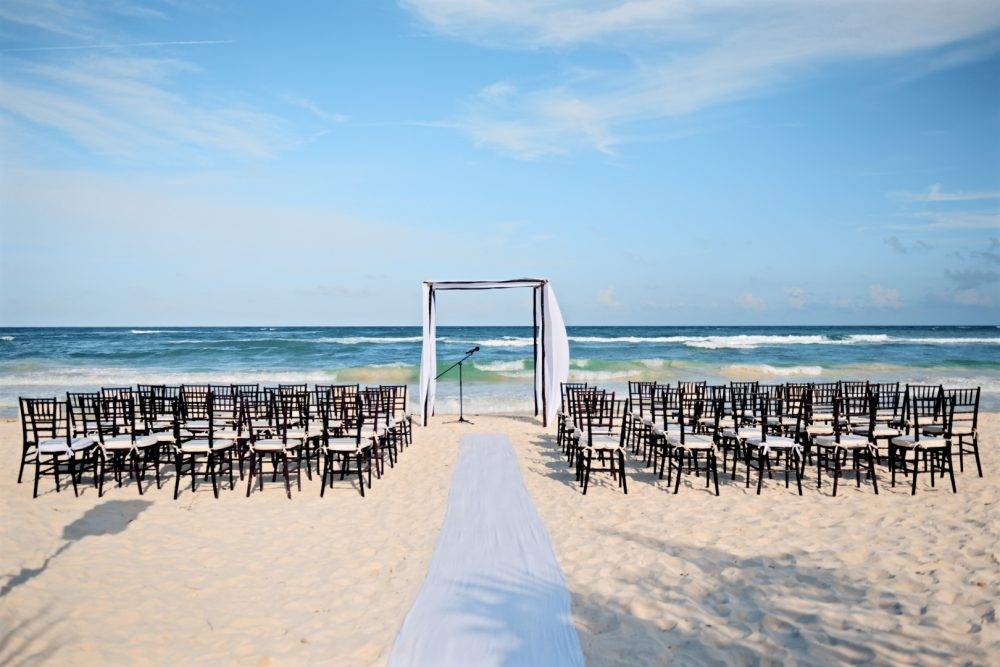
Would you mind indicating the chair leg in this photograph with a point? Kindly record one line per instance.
(135, 470)
(24, 457)
(586, 472)
(760, 469)
(361, 477)
(975, 452)
(916, 467)
(72, 475)
(156, 465)
(836, 469)
(820, 456)
(892, 466)
(194, 472)
(951, 471)
(211, 471)
(621, 465)
(38, 474)
(179, 465)
(715, 471)
(680, 469)
(871, 469)
(284, 469)
(326, 472)
(253, 463)
(799, 467)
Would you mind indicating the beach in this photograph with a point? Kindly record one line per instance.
(654, 577)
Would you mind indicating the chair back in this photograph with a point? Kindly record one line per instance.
(640, 397)
(194, 401)
(84, 411)
(566, 402)
(44, 419)
(693, 388)
(935, 409)
(966, 406)
(666, 403)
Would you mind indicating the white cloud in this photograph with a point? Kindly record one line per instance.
(119, 104)
(71, 18)
(935, 193)
(796, 297)
(884, 297)
(128, 106)
(958, 220)
(749, 301)
(684, 56)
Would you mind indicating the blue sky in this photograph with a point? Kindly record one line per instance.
(664, 162)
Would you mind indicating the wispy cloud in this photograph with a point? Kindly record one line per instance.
(684, 56)
(956, 220)
(127, 106)
(936, 193)
(93, 47)
(121, 104)
(71, 18)
(314, 109)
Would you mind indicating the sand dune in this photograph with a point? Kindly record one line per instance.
(654, 577)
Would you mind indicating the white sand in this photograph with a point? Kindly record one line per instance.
(654, 577)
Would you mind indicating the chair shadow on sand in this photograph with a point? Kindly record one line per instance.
(780, 605)
(108, 518)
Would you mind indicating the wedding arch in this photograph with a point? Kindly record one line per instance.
(551, 346)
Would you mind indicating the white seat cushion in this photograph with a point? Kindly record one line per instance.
(673, 430)
(200, 446)
(911, 442)
(120, 442)
(724, 422)
(58, 445)
(814, 430)
(603, 441)
(346, 445)
(691, 441)
(773, 442)
(274, 445)
(879, 431)
(847, 441)
(957, 428)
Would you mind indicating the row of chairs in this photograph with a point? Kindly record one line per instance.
(914, 429)
(203, 430)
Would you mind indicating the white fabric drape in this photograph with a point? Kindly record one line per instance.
(556, 353)
(553, 343)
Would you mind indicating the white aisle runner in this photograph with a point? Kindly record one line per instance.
(494, 594)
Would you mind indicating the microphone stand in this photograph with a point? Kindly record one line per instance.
(461, 398)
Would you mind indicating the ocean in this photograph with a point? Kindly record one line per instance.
(51, 361)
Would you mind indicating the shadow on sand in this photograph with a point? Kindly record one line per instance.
(108, 518)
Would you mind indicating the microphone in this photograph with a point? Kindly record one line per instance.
(475, 349)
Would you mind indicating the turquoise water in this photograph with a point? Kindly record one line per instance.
(50, 361)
